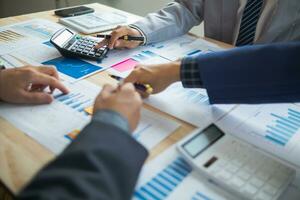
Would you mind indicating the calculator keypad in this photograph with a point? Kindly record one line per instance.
(85, 46)
(253, 175)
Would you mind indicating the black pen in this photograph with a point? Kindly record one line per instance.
(125, 37)
(142, 87)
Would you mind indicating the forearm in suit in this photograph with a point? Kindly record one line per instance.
(252, 74)
(175, 19)
(102, 163)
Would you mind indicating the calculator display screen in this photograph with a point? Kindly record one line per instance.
(63, 37)
(202, 140)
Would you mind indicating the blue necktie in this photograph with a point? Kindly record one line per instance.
(249, 21)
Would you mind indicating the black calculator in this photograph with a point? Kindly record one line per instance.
(71, 44)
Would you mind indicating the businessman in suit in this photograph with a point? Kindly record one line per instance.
(104, 161)
(237, 22)
(92, 168)
(250, 74)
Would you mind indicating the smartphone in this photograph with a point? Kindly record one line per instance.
(74, 11)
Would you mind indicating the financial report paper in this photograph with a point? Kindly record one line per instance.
(26, 34)
(182, 46)
(155, 181)
(273, 128)
(190, 105)
(57, 124)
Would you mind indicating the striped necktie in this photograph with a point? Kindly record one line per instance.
(249, 21)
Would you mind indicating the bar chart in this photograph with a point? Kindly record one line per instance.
(144, 56)
(38, 28)
(174, 43)
(10, 40)
(76, 101)
(200, 196)
(140, 57)
(194, 96)
(142, 127)
(274, 127)
(9, 36)
(150, 53)
(183, 46)
(124, 67)
(165, 182)
(284, 127)
(191, 105)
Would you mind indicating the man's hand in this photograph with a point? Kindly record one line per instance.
(124, 100)
(27, 84)
(115, 43)
(158, 76)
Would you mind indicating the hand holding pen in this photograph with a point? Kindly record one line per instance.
(145, 88)
(158, 76)
(122, 37)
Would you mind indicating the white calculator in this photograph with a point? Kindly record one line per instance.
(235, 166)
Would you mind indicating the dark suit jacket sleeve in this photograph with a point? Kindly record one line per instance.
(102, 163)
(252, 74)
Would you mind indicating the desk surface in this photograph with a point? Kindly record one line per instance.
(21, 157)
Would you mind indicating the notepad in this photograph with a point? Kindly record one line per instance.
(95, 22)
(125, 65)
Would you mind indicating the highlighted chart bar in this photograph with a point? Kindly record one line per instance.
(72, 135)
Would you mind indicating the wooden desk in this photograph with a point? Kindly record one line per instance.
(21, 157)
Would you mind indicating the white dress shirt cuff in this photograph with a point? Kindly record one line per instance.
(140, 31)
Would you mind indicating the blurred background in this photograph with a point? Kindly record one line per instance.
(139, 7)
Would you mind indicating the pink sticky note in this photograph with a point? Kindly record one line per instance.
(125, 65)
